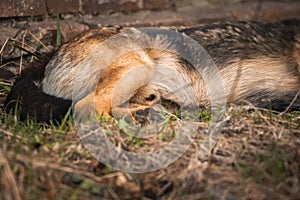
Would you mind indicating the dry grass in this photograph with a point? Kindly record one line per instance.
(257, 157)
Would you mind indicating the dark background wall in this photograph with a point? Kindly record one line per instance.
(14, 8)
(33, 22)
(21, 8)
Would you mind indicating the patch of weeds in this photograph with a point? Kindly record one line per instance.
(126, 128)
(275, 167)
(134, 141)
(257, 117)
(86, 185)
(31, 135)
(204, 116)
(244, 168)
(65, 125)
(4, 87)
(266, 168)
(293, 119)
(81, 185)
(103, 119)
(107, 170)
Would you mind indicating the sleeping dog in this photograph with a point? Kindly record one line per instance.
(125, 70)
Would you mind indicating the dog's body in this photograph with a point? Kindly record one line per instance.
(256, 62)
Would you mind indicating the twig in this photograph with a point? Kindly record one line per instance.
(11, 134)
(21, 60)
(44, 164)
(113, 194)
(39, 41)
(4, 45)
(8, 63)
(14, 44)
(293, 101)
(10, 178)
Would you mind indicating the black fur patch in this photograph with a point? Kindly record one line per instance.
(30, 100)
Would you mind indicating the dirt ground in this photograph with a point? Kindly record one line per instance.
(257, 155)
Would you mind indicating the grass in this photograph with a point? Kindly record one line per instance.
(256, 157)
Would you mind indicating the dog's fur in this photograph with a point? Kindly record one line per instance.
(256, 61)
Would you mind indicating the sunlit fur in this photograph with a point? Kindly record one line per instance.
(258, 62)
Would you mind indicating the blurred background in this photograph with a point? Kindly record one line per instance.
(34, 22)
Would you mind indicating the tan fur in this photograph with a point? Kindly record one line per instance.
(71, 61)
(147, 75)
(129, 73)
(240, 79)
(120, 82)
(250, 76)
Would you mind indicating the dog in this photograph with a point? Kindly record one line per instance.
(256, 62)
